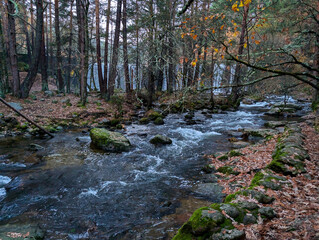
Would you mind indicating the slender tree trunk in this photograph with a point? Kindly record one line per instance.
(32, 24)
(103, 88)
(98, 45)
(152, 61)
(115, 49)
(2, 64)
(235, 90)
(4, 45)
(30, 78)
(51, 63)
(25, 30)
(68, 81)
(137, 47)
(125, 52)
(58, 46)
(212, 77)
(13, 51)
(44, 65)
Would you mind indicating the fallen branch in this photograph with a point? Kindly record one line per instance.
(25, 117)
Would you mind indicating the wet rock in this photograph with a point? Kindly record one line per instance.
(35, 147)
(21, 231)
(227, 170)
(189, 115)
(152, 115)
(109, 141)
(144, 121)
(4, 180)
(261, 132)
(160, 139)
(267, 212)
(159, 121)
(275, 124)
(288, 105)
(249, 219)
(17, 106)
(209, 168)
(210, 190)
(190, 122)
(232, 234)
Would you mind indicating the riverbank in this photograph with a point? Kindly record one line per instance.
(272, 190)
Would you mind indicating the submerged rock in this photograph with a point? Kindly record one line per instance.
(109, 141)
(160, 139)
(35, 147)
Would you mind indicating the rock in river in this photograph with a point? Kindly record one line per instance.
(109, 141)
(160, 139)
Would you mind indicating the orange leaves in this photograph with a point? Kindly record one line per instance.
(235, 7)
(257, 42)
(194, 36)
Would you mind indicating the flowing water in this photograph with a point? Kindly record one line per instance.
(74, 192)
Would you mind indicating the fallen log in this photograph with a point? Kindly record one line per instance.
(25, 117)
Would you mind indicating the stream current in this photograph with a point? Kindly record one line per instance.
(74, 192)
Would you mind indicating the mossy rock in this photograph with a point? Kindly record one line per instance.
(109, 141)
(159, 121)
(227, 170)
(234, 153)
(21, 232)
(114, 122)
(144, 121)
(153, 115)
(267, 180)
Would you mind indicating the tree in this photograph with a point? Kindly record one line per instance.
(115, 49)
(98, 45)
(103, 88)
(58, 46)
(125, 52)
(30, 78)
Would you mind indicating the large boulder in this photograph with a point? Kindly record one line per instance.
(109, 141)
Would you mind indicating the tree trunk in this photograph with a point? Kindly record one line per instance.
(51, 62)
(115, 49)
(98, 45)
(125, 52)
(81, 6)
(68, 80)
(235, 90)
(44, 65)
(13, 51)
(103, 88)
(58, 46)
(152, 61)
(30, 78)
(25, 30)
(137, 47)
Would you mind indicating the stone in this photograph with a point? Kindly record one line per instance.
(109, 141)
(267, 212)
(248, 205)
(275, 124)
(152, 115)
(249, 219)
(229, 234)
(160, 139)
(232, 211)
(4, 180)
(48, 93)
(17, 106)
(214, 215)
(210, 190)
(271, 185)
(209, 168)
(35, 147)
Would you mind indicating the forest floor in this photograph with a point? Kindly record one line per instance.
(296, 204)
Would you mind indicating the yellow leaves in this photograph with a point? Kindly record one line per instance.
(216, 50)
(246, 2)
(235, 7)
(183, 35)
(72, 73)
(235, 34)
(222, 27)
(194, 62)
(245, 45)
(241, 4)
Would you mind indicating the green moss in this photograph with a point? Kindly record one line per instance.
(227, 170)
(153, 115)
(159, 121)
(315, 105)
(224, 157)
(232, 196)
(256, 179)
(227, 224)
(224, 107)
(144, 121)
(277, 166)
(234, 153)
(114, 122)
